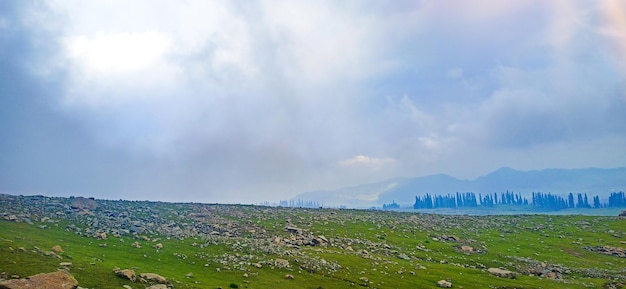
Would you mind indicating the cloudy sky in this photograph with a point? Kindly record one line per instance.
(250, 101)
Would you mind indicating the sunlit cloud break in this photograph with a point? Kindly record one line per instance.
(362, 160)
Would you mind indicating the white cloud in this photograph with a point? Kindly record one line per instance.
(115, 53)
(366, 161)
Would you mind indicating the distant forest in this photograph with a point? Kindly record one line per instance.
(295, 204)
(543, 201)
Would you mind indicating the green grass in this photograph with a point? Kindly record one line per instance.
(505, 241)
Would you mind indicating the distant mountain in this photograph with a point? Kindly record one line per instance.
(593, 181)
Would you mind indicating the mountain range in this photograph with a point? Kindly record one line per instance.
(593, 181)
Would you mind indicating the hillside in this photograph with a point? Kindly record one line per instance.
(110, 244)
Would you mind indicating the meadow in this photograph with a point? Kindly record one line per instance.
(240, 246)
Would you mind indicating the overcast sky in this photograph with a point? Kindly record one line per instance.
(250, 101)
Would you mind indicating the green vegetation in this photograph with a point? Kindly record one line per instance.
(234, 246)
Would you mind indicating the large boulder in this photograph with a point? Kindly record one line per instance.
(84, 203)
(126, 273)
(57, 249)
(56, 280)
(154, 278)
(501, 273)
(444, 284)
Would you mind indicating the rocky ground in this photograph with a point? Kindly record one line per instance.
(295, 240)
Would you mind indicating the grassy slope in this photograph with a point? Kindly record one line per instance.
(551, 239)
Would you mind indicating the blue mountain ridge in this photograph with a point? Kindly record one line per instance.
(593, 181)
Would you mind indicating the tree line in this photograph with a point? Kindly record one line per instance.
(544, 201)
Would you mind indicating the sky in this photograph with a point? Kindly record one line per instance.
(252, 101)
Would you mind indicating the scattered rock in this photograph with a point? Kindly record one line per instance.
(154, 278)
(189, 275)
(294, 230)
(57, 249)
(65, 264)
(81, 203)
(56, 280)
(501, 273)
(608, 250)
(101, 236)
(622, 213)
(289, 277)
(126, 273)
(404, 257)
(281, 263)
(550, 275)
(467, 249)
(158, 246)
(444, 284)
(451, 238)
(157, 286)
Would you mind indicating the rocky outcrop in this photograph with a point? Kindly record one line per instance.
(126, 273)
(56, 280)
(608, 250)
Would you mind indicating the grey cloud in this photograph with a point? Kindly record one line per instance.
(270, 103)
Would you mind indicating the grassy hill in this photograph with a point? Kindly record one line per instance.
(229, 246)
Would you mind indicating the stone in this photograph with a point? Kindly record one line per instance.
(550, 275)
(444, 284)
(404, 257)
(102, 236)
(281, 263)
(157, 286)
(289, 277)
(501, 273)
(293, 230)
(57, 249)
(154, 277)
(56, 280)
(622, 213)
(84, 203)
(158, 246)
(467, 249)
(65, 264)
(126, 273)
